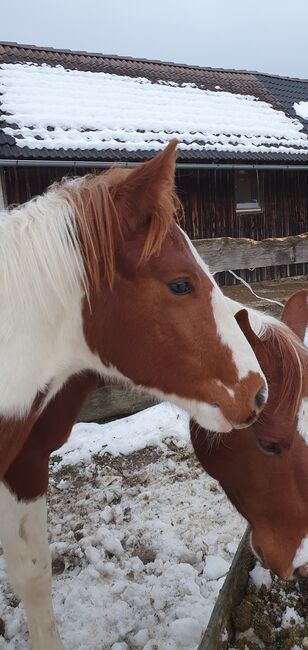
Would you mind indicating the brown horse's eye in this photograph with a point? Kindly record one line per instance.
(270, 447)
(180, 287)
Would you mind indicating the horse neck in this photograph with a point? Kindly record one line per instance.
(41, 293)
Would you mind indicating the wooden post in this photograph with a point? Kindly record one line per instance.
(3, 197)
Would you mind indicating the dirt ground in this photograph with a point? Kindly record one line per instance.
(274, 289)
(274, 618)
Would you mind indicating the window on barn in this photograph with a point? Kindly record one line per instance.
(247, 192)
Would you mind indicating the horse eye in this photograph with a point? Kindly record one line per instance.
(180, 287)
(270, 447)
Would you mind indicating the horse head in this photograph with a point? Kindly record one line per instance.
(264, 469)
(154, 315)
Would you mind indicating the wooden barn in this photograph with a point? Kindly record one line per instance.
(242, 166)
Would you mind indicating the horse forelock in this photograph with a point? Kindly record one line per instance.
(293, 358)
(100, 206)
(96, 219)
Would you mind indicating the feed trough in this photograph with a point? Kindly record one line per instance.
(220, 628)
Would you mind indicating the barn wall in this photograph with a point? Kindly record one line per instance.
(209, 205)
(22, 183)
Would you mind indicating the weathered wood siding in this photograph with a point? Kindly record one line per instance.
(209, 203)
(208, 197)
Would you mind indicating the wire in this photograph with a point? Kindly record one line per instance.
(274, 302)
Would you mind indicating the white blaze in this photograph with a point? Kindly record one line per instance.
(228, 330)
(301, 555)
(302, 421)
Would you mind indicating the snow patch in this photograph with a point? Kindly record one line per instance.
(148, 428)
(301, 109)
(215, 567)
(186, 632)
(291, 617)
(260, 576)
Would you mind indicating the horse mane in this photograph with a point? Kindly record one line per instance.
(66, 238)
(294, 361)
(280, 339)
(99, 221)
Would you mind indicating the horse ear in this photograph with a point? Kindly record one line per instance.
(150, 187)
(252, 338)
(295, 313)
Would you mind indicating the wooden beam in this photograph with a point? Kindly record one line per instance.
(112, 402)
(226, 253)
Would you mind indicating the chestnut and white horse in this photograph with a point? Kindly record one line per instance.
(264, 468)
(98, 283)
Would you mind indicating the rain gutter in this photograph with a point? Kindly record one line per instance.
(76, 164)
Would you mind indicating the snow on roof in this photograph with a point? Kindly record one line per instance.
(53, 108)
(301, 109)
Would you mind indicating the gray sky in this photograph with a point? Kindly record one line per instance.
(265, 35)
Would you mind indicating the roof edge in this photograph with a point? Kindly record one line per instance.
(28, 46)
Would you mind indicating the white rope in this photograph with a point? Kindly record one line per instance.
(274, 302)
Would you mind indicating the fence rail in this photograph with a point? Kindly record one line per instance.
(113, 402)
(227, 253)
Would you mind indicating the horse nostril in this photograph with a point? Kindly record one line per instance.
(261, 397)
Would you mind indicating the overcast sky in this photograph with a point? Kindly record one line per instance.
(265, 35)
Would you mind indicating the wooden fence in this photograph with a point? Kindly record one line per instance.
(226, 253)
(220, 254)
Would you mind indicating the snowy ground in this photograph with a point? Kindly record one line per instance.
(141, 539)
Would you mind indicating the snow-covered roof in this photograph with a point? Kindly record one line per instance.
(301, 109)
(58, 111)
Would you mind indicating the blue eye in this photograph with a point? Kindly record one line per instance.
(180, 287)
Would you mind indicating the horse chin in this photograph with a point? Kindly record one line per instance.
(246, 424)
(212, 419)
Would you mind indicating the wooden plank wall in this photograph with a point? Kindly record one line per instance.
(209, 204)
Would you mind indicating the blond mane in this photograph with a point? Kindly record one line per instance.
(93, 199)
(294, 362)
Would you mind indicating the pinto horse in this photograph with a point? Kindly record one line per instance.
(99, 283)
(264, 469)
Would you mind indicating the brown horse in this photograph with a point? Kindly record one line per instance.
(99, 283)
(264, 469)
